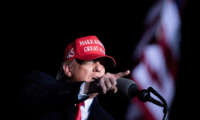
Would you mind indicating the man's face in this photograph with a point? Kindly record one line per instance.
(86, 70)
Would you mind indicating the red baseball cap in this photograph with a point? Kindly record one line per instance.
(86, 48)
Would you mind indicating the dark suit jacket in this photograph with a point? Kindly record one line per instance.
(45, 98)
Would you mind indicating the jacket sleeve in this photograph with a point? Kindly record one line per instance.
(41, 89)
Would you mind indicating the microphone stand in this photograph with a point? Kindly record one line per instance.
(144, 95)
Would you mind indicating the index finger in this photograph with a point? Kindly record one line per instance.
(121, 74)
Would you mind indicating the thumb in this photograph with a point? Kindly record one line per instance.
(121, 74)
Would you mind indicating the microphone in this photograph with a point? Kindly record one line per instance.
(130, 89)
(127, 87)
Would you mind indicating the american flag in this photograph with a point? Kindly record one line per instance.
(158, 55)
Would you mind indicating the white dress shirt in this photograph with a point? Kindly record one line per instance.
(87, 103)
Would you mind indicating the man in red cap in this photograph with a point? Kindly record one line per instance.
(81, 78)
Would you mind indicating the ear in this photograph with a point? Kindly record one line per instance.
(67, 70)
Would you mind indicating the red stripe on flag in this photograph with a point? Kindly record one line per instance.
(169, 58)
(146, 113)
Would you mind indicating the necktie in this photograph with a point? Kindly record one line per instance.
(78, 115)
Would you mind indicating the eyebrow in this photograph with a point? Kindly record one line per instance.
(83, 61)
(79, 61)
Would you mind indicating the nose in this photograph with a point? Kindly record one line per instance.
(99, 68)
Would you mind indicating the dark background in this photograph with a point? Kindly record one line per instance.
(38, 34)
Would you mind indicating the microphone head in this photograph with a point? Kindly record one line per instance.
(127, 87)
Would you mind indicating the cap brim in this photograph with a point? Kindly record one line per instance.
(93, 57)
